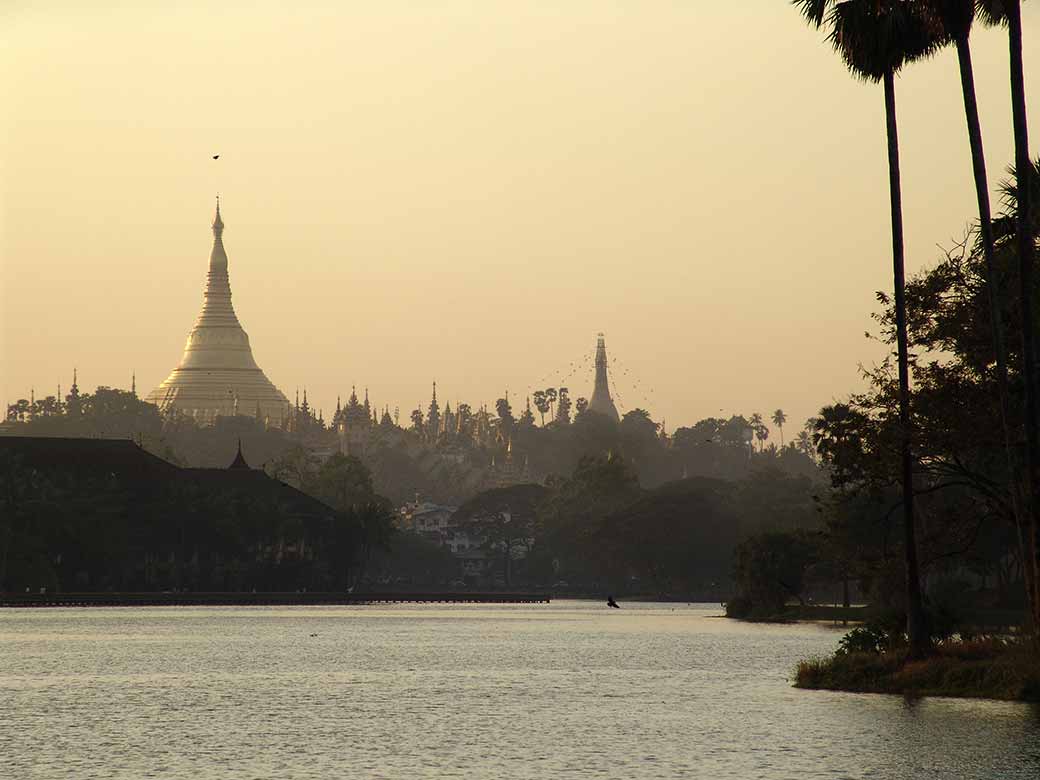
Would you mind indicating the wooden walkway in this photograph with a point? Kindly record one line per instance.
(260, 599)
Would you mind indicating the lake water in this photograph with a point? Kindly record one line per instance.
(567, 690)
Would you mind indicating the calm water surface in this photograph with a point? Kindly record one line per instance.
(565, 690)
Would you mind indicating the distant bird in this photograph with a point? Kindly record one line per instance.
(216, 156)
(612, 603)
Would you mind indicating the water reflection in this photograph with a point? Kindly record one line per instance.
(565, 690)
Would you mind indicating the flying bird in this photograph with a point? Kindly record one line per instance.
(216, 156)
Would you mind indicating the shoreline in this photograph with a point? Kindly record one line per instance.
(189, 599)
(990, 669)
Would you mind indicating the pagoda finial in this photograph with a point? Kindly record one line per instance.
(435, 390)
(133, 383)
(218, 223)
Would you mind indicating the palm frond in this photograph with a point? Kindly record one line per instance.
(814, 11)
(993, 12)
(875, 38)
(955, 16)
(1008, 189)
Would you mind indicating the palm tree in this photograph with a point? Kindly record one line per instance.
(755, 423)
(956, 18)
(1009, 12)
(803, 442)
(876, 38)
(779, 418)
(761, 433)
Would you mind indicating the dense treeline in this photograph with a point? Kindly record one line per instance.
(445, 463)
(599, 531)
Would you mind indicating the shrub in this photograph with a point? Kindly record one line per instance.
(863, 639)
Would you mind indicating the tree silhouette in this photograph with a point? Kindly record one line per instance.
(563, 409)
(779, 418)
(541, 403)
(876, 38)
(755, 422)
(1009, 13)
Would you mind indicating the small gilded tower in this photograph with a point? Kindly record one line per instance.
(601, 401)
(217, 375)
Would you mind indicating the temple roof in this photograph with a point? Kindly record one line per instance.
(239, 462)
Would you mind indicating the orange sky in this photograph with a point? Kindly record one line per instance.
(468, 191)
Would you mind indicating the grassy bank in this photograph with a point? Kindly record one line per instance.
(988, 669)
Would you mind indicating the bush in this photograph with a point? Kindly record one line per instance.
(863, 639)
(992, 669)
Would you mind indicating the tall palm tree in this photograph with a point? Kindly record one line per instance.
(1009, 13)
(876, 38)
(779, 418)
(755, 422)
(956, 18)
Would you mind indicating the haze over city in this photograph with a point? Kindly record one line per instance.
(467, 192)
(466, 389)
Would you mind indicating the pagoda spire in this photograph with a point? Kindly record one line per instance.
(601, 401)
(217, 363)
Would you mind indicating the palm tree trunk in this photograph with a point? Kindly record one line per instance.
(978, 160)
(1025, 260)
(917, 632)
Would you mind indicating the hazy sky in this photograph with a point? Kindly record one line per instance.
(468, 191)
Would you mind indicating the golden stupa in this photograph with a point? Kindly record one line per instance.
(217, 375)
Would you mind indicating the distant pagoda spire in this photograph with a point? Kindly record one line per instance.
(601, 401)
